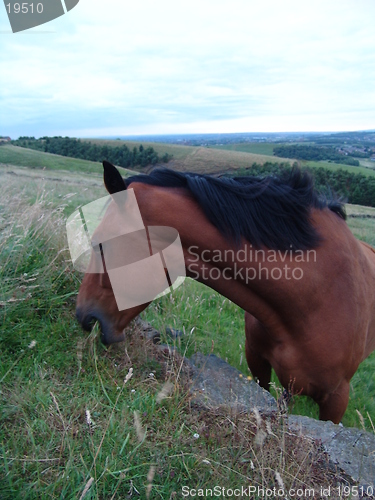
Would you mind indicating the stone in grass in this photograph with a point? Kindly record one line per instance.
(148, 331)
(174, 334)
(216, 383)
(351, 450)
(154, 335)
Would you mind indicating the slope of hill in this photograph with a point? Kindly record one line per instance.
(34, 159)
(266, 148)
(200, 159)
(15, 155)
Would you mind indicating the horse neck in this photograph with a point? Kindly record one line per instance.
(177, 209)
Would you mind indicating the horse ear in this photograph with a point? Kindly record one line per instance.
(112, 178)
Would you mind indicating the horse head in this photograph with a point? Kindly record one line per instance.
(96, 299)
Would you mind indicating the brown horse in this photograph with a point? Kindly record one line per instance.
(277, 250)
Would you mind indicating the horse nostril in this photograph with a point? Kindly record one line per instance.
(87, 321)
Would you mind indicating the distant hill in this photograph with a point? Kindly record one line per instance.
(354, 184)
(118, 153)
(31, 158)
(200, 159)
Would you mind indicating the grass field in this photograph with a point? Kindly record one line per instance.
(364, 162)
(337, 166)
(52, 373)
(199, 159)
(30, 158)
(260, 148)
(266, 148)
(185, 158)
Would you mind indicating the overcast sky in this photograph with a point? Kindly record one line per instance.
(120, 67)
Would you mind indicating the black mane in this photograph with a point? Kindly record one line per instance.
(271, 211)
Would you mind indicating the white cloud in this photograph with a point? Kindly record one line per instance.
(150, 66)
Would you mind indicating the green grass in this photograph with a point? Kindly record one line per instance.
(30, 158)
(363, 229)
(366, 163)
(260, 148)
(63, 181)
(337, 166)
(211, 322)
(65, 190)
(266, 148)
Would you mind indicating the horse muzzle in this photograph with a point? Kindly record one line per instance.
(108, 334)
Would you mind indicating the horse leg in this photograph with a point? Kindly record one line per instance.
(255, 336)
(333, 405)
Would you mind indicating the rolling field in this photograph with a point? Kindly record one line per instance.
(52, 372)
(364, 162)
(366, 167)
(199, 159)
(185, 158)
(30, 158)
(337, 166)
(260, 148)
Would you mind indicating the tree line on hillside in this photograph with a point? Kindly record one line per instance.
(353, 188)
(314, 153)
(85, 150)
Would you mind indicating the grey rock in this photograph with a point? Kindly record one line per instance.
(154, 335)
(148, 330)
(352, 450)
(216, 383)
(174, 334)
